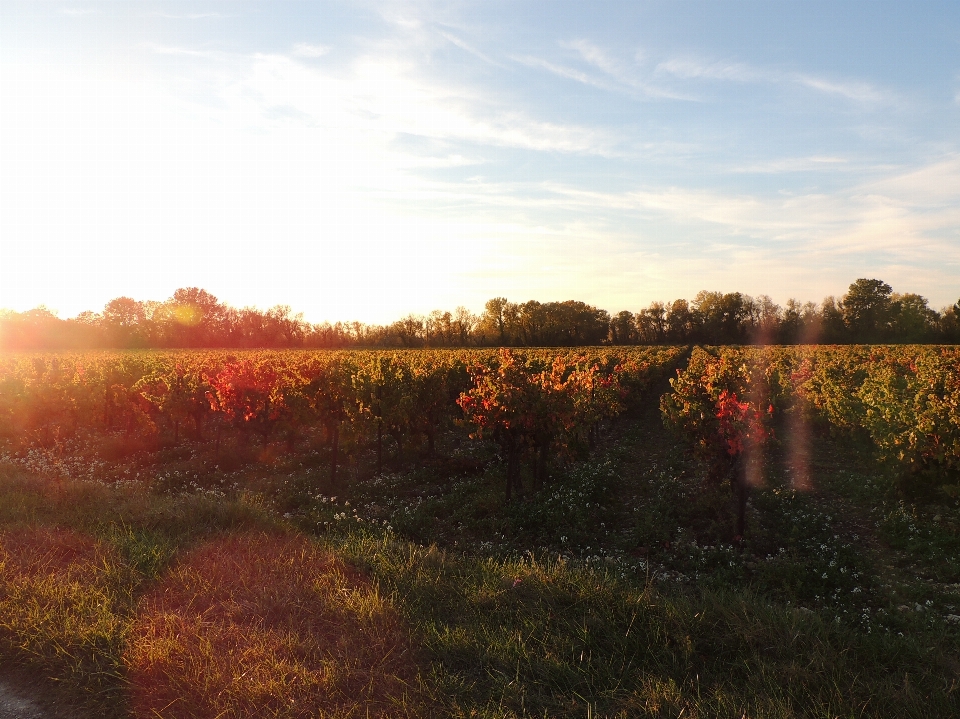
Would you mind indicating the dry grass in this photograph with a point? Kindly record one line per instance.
(268, 626)
(60, 608)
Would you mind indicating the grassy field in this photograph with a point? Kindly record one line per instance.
(180, 584)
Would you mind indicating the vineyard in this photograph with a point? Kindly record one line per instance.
(904, 400)
(555, 527)
(537, 401)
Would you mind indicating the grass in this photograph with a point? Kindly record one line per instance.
(266, 625)
(62, 609)
(196, 589)
(509, 638)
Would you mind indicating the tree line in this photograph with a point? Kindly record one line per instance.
(869, 312)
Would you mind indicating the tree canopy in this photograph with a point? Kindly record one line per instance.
(869, 312)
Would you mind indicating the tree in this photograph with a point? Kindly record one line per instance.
(799, 323)
(912, 319)
(623, 328)
(498, 314)
(867, 310)
(193, 318)
(949, 323)
(439, 330)
(289, 329)
(410, 330)
(464, 324)
(722, 316)
(832, 326)
(124, 319)
(680, 320)
(531, 321)
(765, 316)
(652, 324)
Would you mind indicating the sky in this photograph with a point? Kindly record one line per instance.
(363, 161)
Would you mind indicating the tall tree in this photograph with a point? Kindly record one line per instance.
(764, 318)
(623, 328)
(680, 322)
(125, 322)
(832, 326)
(867, 310)
(912, 320)
(652, 324)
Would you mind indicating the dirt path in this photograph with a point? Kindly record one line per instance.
(14, 705)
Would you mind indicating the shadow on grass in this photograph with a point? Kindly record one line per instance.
(531, 638)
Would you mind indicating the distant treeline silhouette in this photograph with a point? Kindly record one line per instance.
(870, 312)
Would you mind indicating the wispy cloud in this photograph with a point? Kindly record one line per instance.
(406, 149)
(689, 69)
(563, 71)
(686, 68)
(161, 49)
(856, 91)
(626, 75)
(906, 221)
(595, 56)
(188, 16)
(467, 47)
(614, 76)
(903, 218)
(795, 164)
(935, 185)
(390, 98)
(306, 50)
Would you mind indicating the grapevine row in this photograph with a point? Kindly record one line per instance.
(904, 399)
(541, 401)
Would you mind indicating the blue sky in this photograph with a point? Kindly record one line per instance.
(366, 160)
